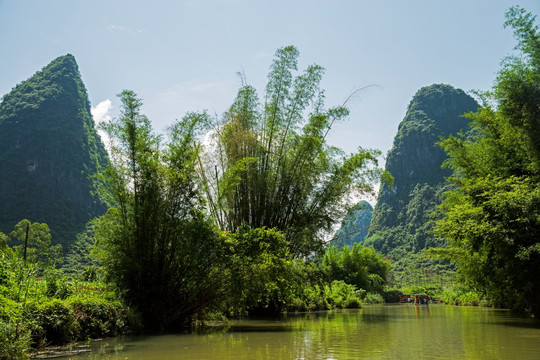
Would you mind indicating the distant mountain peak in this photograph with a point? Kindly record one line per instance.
(48, 151)
(400, 223)
(354, 226)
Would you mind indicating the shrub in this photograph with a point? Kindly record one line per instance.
(97, 318)
(391, 296)
(465, 298)
(54, 323)
(14, 341)
(57, 285)
(373, 298)
(352, 302)
(341, 295)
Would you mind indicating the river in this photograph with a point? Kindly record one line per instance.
(374, 332)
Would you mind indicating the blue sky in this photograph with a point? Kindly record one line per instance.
(183, 55)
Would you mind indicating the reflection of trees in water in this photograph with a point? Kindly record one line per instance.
(392, 331)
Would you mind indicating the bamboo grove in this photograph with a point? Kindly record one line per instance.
(267, 162)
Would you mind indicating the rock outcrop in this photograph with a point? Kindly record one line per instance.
(49, 151)
(401, 218)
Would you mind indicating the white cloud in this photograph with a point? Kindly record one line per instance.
(101, 113)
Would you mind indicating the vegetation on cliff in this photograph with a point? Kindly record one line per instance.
(49, 150)
(354, 226)
(401, 227)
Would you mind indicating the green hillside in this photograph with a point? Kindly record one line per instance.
(400, 225)
(48, 151)
(355, 225)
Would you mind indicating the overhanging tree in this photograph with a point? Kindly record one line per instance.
(268, 164)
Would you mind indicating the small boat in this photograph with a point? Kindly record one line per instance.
(417, 299)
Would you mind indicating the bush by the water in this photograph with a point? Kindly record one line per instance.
(37, 312)
(464, 297)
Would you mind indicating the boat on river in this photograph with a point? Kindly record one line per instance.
(417, 299)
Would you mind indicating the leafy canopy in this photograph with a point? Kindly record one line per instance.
(268, 163)
(155, 240)
(492, 219)
(39, 249)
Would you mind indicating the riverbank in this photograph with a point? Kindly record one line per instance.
(38, 312)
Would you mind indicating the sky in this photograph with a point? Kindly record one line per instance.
(184, 55)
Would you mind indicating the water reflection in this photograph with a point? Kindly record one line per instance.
(375, 332)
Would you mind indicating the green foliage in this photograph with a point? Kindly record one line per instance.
(49, 151)
(492, 219)
(36, 312)
(312, 298)
(359, 266)
(14, 342)
(80, 261)
(4, 248)
(268, 164)
(54, 322)
(333, 295)
(341, 295)
(374, 298)
(464, 298)
(391, 295)
(261, 271)
(57, 286)
(155, 241)
(402, 222)
(97, 318)
(39, 250)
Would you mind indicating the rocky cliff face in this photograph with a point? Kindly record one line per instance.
(49, 150)
(400, 223)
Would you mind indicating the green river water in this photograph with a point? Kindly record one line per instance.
(374, 332)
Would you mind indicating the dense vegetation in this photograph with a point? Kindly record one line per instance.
(277, 189)
(269, 212)
(48, 151)
(269, 165)
(39, 306)
(155, 240)
(492, 218)
(227, 216)
(400, 227)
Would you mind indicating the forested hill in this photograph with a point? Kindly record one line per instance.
(400, 219)
(355, 225)
(48, 151)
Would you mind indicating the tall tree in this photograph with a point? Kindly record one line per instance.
(492, 218)
(33, 243)
(269, 164)
(155, 240)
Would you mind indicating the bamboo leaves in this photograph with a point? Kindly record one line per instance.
(270, 165)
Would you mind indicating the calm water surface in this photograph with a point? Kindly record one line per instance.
(374, 332)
